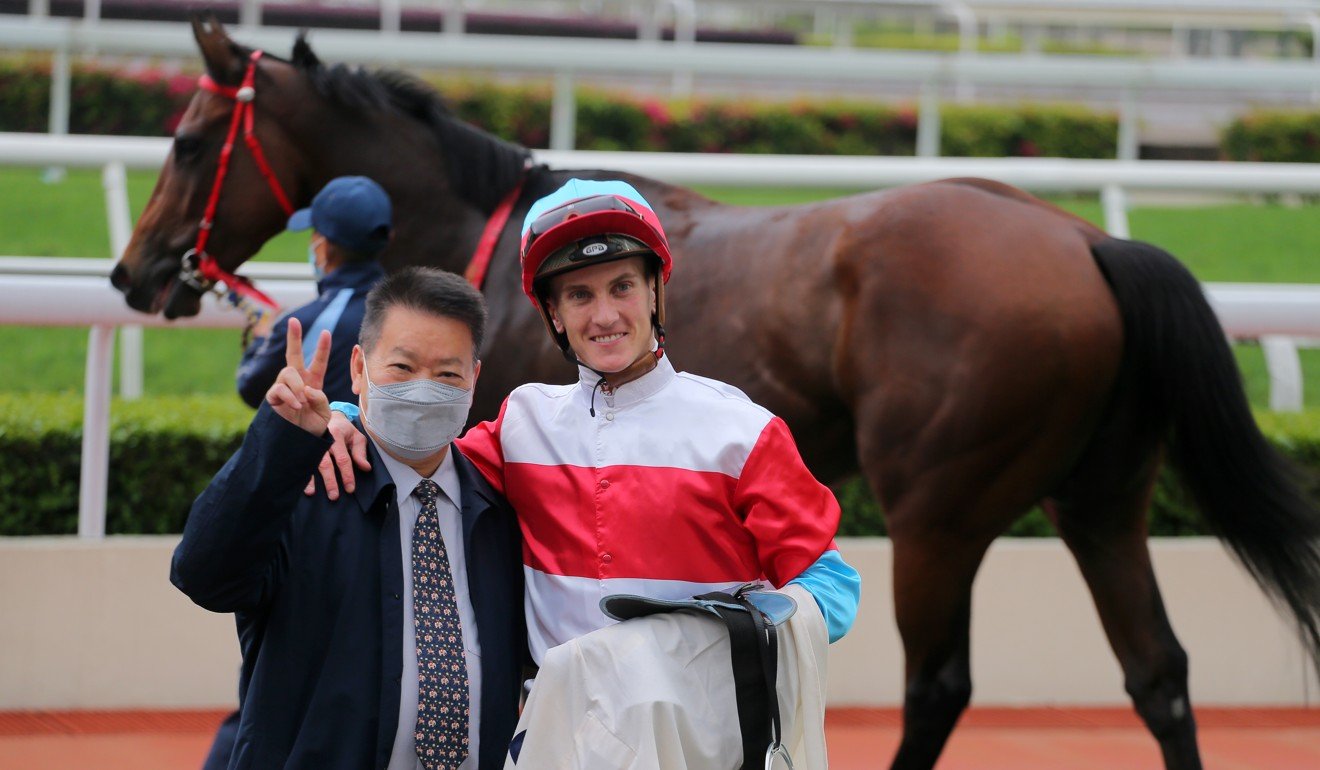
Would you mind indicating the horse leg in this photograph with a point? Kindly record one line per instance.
(933, 601)
(1105, 529)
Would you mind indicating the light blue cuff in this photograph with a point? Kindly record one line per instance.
(351, 411)
(837, 589)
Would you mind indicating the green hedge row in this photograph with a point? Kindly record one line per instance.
(148, 103)
(141, 103)
(164, 451)
(1277, 136)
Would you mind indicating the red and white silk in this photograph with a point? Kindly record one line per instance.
(679, 485)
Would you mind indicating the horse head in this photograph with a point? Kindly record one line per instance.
(249, 204)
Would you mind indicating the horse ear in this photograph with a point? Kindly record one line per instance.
(303, 56)
(221, 54)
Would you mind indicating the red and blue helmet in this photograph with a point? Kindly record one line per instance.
(585, 223)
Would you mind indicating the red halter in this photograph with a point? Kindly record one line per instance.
(199, 269)
(476, 269)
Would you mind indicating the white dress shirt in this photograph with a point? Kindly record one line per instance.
(448, 504)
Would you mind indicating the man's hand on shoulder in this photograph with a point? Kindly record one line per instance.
(349, 449)
(296, 395)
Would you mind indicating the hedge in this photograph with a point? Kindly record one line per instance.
(149, 103)
(140, 103)
(1277, 136)
(163, 452)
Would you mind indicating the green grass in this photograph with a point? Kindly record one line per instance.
(1244, 242)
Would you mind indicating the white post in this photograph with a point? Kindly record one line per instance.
(1129, 143)
(1114, 201)
(563, 113)
(91, 11)
(685, 35)
(115, 182)
(94, 478)
(1285, 370)
(648, 21)
(60, 88)
(249, 13)
(38, 9)
(964, 91)
(391, 15)
(928, 121)
(455, 19)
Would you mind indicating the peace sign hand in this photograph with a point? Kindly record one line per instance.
(296, 395)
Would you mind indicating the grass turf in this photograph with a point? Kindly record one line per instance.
(1235, 242)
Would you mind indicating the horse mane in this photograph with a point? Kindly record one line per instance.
(482, 168)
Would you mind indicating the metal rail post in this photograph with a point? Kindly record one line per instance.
(563, 113)
(391, 16)
(1129, 142)
(60, 89)
(95, 473)
(1114, 202)
(455, 18)
(1285, 370)
(249, 14)
(685, 35)
(115, 182)
(928, 121)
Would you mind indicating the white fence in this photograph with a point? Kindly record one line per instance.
(683, 61)
(65, 292)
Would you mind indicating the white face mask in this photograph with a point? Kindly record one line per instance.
(414, 419)
(317, 272)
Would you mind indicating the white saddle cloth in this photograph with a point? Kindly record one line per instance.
(656, 693)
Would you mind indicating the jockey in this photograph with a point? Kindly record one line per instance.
(639, 479)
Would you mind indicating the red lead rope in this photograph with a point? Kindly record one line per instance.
(476, 269)
(206, 271)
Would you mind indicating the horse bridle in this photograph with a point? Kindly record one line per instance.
(199, 270)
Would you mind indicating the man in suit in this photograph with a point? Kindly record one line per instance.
(383, 629)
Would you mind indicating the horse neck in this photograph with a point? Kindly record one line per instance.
(438, 217)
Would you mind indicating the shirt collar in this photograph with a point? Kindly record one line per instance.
(633, 392)
(351, 276)
(406, 479)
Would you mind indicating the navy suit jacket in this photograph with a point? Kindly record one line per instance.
(316, 586)
(340, 304)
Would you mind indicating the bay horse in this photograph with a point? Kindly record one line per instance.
(970, 349)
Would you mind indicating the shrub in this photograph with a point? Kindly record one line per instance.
(165, 450)
(1055, 131)
(101, 101)
(162, 453)
(1274, 136)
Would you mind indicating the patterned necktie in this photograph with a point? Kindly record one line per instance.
(442, 678)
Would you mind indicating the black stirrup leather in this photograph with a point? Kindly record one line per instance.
(751, 617)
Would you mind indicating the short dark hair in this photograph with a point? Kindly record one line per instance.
(427, 290)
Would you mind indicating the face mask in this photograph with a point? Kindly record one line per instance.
(311, 258)
(415, 419)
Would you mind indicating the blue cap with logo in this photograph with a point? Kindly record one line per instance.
(352, 212)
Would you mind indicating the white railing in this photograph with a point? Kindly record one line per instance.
(80, 295)
(564, 58)
(72, 294)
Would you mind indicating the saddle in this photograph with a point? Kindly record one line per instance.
(751, 617)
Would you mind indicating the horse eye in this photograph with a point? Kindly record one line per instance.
(186, 146)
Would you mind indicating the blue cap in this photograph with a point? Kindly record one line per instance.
(352, 212)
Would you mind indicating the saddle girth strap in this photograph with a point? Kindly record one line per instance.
(753, 647)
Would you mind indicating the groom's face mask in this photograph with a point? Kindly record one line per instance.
(415, 386)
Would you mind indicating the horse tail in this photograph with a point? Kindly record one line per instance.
(1179, 360)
